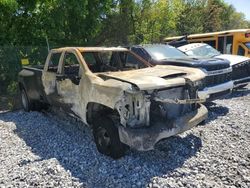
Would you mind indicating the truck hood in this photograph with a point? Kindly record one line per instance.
(153, 77)
(208, 64)
(233, 59)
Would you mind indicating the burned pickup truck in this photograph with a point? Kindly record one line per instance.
(126, 104)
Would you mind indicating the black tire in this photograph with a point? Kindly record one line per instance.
(107, 138)
(29, 105)
(26, 104)
(202, 123)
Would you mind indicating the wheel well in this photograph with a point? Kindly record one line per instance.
(20, 85)
(96, 110)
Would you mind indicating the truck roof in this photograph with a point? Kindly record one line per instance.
(91, 49)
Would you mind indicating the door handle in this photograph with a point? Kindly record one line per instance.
(60, 77)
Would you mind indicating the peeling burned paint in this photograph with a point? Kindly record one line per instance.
(49, 82)
(134, 109)
(108, 93)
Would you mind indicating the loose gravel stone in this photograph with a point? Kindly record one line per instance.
(40, 149)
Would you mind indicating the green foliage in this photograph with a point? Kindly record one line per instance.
(149, 21)
(155, 20)
(7, 9)
(63, 22)
(191, 19)
(25, 25)
(9, 66)
(111, 22)
(12, 88)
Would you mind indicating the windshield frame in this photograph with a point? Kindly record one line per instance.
(128, 52)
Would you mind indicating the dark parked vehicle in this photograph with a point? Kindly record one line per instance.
(240, 64)
(218, 80)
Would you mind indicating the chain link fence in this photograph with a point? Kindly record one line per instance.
(11, 60)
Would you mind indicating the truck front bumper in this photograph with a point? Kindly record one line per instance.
(211, 93)
(243, 81)
(144, 139)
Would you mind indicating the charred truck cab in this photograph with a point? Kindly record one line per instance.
(218, 80)
(126, 103)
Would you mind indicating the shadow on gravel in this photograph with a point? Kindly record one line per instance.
(215, 111)
(239, 93)
(73, 147)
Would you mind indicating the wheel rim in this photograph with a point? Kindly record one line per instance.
(24, 100)
(103, 138)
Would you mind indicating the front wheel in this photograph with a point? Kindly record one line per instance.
(107, 138)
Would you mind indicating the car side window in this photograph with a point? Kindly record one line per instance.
(129, 61)
(54, 62)
(241, 51)
(92, 59)
(141, 53)
(229, 44)
(211, 43)
(221, 44)
(89, 58)
(70, 65)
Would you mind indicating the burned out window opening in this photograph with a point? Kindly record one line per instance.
(54, 62)
(92, 61)
(142, 53)
(129, 61)
(71, 67)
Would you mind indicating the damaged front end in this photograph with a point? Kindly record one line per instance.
(149, 116)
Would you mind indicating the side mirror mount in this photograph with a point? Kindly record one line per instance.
(60, 77)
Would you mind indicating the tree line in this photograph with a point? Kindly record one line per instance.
(28, 26)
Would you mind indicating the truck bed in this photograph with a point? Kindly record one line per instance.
(31, 79)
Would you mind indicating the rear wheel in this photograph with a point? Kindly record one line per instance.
(25, 101)
(107, 138)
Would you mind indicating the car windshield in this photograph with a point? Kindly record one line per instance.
(161, 52)
(248, 45)
(203, 51)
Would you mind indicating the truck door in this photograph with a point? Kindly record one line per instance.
(49, 75)
(67, 83)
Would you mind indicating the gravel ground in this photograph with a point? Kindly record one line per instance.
(41, 149)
